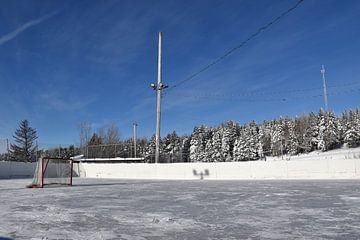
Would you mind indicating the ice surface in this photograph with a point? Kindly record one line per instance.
(124, 209)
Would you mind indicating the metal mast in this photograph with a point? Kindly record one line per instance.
(324, 87)
(159, 87)
(135, 125)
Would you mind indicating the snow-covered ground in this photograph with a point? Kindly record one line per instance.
(124, 209)
(341, 153)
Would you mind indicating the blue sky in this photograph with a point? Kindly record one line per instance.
(67, 62)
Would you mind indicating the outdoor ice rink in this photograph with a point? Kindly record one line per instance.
(124, 209)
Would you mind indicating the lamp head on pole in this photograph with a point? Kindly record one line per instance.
(153, 86)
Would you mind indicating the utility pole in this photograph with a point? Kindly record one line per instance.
(135, 125)
(159, 87)
(7, 150)
(324, 87)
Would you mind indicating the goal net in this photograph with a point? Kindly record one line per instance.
(52, 171)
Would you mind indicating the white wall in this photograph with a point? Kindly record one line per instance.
(293, 169)
(11, 169)
(16, 169)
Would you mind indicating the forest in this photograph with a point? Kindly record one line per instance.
(229, 141)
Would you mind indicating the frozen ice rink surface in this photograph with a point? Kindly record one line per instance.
(124, 209)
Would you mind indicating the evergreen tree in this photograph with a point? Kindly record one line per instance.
(293, 143)
(352, 137)
(24, 147)
(246, 146)
(277, 138)
(205, 137)
(303, 134)
(185, 147)
(216, 145)
(151, 148)
(252, 133)
(171, 146)
(230, 132)
(328, 137)
(352, 133)
(242, 145)
(313, 131)
(197, 144)
(209, 148)
(238, 151)
(265, 139)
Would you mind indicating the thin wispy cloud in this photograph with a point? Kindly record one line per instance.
(60, 103)
(29, 24)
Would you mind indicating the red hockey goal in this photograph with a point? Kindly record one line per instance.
(52, 171)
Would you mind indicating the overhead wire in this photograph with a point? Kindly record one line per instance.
(261, 93)
(261, 99)
(256, 33)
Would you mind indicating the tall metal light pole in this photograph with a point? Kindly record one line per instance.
(135, 125)
(324, 87)
(8, 150)
(159, 87)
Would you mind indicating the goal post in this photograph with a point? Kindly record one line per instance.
(52, 171)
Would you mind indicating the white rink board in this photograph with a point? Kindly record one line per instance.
(293, 169)
(11, 169)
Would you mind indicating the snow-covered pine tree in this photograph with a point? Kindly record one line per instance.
(328, 137)
(231, 130)
(198, 143)
(261, 150)
(205, 138)
(195, 145)
(253, 141)
(344, 123)
(150, 149)
(217, 144)
(312, 133)
(352, 133)
(352, 137)
(293, 143)
(303, 134)
(185, 146)
(236, 150)
(246, 146)
(265, 138)
(208, 157)
(322, 129)
(277, 138)
(171, 145)
(240, 146)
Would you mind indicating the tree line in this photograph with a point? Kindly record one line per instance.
(232, 142)
(229, 141)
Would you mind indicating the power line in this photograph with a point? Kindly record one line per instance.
(256, 33)
(261, 99)
(265, 92)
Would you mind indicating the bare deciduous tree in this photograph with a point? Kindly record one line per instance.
(84, 133)
(112, 134)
